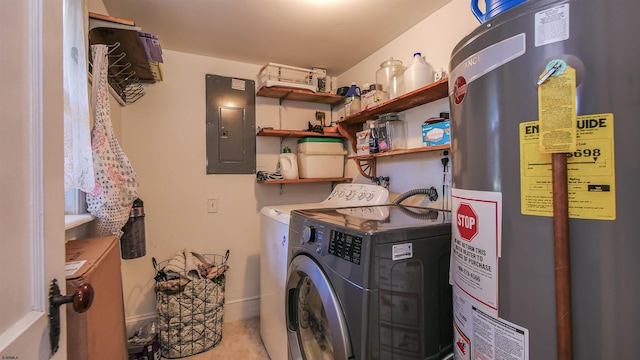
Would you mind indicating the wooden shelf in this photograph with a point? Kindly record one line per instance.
(296, 133)
(283, 93)
(424, 95)
(402, 152)
(367, 163)
(298, 181)
(348, 126)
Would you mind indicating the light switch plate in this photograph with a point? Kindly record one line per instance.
(212, 205)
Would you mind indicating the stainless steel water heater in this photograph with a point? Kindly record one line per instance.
(494, 99)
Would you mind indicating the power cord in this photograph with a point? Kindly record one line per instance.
(445, 163)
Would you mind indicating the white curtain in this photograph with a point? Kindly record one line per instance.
(78, 161)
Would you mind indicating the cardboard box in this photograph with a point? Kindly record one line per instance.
(436, 133)
(98, 333)
(362, 142)
(373, 98)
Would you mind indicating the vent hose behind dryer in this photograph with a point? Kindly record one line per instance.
(431, 192)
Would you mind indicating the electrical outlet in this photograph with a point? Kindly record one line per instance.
(212, 205)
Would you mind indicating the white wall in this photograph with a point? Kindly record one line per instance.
(163, 135)
(164, 138)
(435, 37)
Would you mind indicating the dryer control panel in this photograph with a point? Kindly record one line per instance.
(345, 246)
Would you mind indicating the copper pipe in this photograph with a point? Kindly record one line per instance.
(562, 256)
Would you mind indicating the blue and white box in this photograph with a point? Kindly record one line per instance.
(437, 132)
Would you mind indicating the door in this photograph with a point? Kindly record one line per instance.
(316, 325)
(31, 180)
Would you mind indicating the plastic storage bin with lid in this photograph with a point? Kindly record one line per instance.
(320, 158)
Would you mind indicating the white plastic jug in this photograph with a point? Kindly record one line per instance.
(419, 74)
(288, 164)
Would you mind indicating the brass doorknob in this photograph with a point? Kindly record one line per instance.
(82, 299)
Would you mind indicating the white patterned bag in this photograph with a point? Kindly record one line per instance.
(116, 182)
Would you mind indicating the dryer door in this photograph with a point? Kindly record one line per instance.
(315, 322)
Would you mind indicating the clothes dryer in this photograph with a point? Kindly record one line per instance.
(369, 283)
(274, 229)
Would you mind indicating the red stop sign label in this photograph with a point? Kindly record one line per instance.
(467, 222)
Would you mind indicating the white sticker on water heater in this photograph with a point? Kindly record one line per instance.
(475, 246)
(552, 25)
(509, 340)
(402, 251)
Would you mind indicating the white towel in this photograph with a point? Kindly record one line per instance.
(185, 263)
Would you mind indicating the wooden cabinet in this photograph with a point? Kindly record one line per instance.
(283, 94)
(352, 124)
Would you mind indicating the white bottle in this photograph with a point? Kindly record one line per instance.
(288, 164)
(419, 74)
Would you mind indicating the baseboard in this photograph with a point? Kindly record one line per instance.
(233, 311)
(242, 309)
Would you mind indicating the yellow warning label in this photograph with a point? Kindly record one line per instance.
(557, 113)
(590, 171)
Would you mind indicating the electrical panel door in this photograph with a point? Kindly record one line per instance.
(231, 122)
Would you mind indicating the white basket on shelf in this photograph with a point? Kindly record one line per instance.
(273, 74)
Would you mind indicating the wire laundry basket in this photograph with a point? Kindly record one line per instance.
(190, 305)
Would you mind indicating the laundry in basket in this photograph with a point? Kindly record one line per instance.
(189, 301)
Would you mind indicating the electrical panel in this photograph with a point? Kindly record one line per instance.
(231, 123)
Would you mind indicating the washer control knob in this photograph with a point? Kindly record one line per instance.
(319, 248)
(309, 234)
(350, 195)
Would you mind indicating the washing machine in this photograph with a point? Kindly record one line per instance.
(274, 229)
(369, 283)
